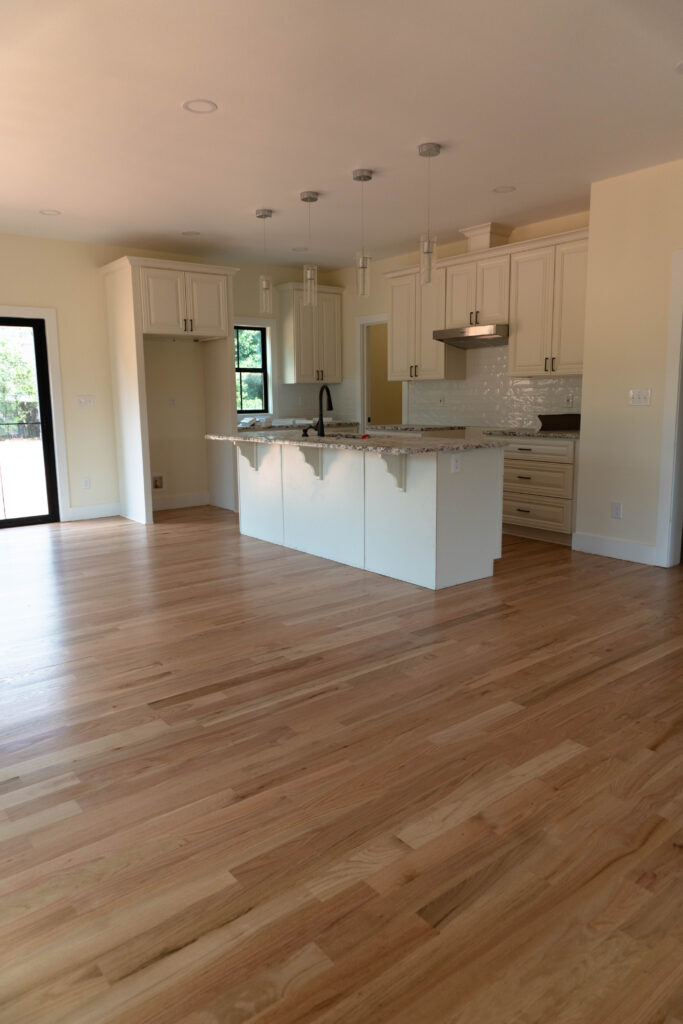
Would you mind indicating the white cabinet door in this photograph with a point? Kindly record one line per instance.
(571, 265)
(163, 301)
(430, 355)
(493, 290)
(402, 326)
(207, 304)
(305, 340)
(531, 312)
(461, 284)
(329, 339)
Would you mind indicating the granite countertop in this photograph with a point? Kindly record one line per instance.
(376, 445)
(333, 424)
(572, 435)
(417, 428)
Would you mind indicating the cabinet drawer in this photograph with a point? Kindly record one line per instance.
(541, 513)
(555, 481)
(548, 451)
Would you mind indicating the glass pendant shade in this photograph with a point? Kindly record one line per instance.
(310, 285)
(363, 275)
(265, 294)
(427, 255)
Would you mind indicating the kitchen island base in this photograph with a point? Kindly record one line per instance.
(433, 519)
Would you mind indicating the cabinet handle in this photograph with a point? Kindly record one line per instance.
(552, 363)
(416, 369)
(411, 369)
(523, 510)
(523, 477)
(476, 317)
(546, 364)
(322, 375)
(471, 315)
(190, 323)
(185, 324)
(518, 449)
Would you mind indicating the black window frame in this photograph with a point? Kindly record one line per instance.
(251, 369)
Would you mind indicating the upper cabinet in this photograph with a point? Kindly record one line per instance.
(415, 312)
(547, 309)
(311, 336)
(178, 302)
(478, 292)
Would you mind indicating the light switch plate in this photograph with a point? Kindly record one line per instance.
(455, 463)
(639, 396)
(85, 401)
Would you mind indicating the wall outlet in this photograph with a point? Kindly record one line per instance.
(158, 482)
(617, 510)
(569, 401)
(639, 396)
(86, 483)
(441, 400)
(85, 401)
(455, 463)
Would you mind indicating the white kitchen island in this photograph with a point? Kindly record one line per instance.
(424, 510)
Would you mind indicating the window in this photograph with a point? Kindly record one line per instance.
(251, 369)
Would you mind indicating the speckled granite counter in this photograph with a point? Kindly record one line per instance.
(570, 435)
(410, 428)
(379, 445)
(331, 425)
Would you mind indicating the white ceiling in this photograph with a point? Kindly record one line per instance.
(546, 95)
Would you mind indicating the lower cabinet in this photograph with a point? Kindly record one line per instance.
(538, 487)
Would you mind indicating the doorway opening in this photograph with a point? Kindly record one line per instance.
(28, 474)
(381, 401)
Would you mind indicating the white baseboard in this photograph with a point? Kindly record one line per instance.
(164, 501)
(77, 512)
(610, 547)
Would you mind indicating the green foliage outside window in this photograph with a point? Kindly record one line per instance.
(251, 369)
(18, 388)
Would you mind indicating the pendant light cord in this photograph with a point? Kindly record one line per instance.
(429, 196)
(362, 218)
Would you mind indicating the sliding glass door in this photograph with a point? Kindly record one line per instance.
(28, 478)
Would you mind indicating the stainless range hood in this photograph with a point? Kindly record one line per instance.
(474, 336)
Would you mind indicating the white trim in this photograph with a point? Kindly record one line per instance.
(77, 512)
(362, 323)
(670, 505)
(49, 317)
(190, 268)
(610, 547)
(164, 501)
(270, 324)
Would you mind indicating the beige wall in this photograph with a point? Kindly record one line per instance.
(347, 394)
(636, 225)
(65, 276)
(386, 396)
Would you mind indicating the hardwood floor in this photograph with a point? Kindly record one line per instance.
(239, 783)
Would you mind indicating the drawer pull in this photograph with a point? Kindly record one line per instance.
(519, 477)
(518, 449)
(523, 510)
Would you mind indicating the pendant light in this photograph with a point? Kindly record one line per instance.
(310, 269)
(428, 241)
(265, 281)
(362, 174)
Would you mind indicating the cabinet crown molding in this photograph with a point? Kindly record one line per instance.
(542, 242)
(196, 268)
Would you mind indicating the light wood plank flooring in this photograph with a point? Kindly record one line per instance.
(239, 783)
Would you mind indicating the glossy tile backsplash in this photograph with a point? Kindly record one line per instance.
(489, 397)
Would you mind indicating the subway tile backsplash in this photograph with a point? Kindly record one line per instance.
(489, 397)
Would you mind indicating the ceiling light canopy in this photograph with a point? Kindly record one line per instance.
(200, 106)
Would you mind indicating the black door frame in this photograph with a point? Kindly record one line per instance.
(47, 426)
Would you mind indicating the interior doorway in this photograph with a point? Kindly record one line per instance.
(28, 474)
(385, 397)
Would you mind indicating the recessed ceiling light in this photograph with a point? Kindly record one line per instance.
(504, 188)
(50, 213)
(200, 106)
(300, 248)
(190, 234)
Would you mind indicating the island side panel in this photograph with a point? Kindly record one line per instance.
(324, 515)
(468, 515)
(260, 492)
(400, 525)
